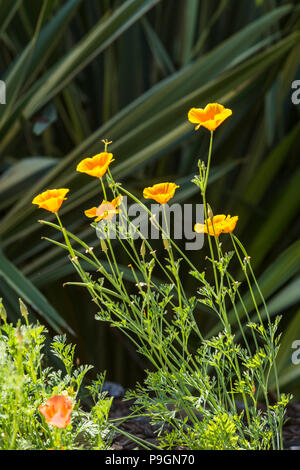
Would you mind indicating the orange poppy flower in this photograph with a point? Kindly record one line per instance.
(106, 210)
(57, 411)
(96, 166)
(51, 200)
(161, 192)
(210, 117)
(217, 225)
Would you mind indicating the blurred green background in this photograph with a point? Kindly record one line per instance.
(79, 71)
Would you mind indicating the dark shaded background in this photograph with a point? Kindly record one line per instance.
(80, 71)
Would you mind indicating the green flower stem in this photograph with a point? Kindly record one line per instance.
(208, 161)
(109, 242)
(203, 193)
(237, 367)
(265, 388)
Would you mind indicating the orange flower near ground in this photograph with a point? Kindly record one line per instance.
(217, 225)
(57, 411)
(161, 192)
(51, 200)
(96, 166)
(106, 210)
(210, 117)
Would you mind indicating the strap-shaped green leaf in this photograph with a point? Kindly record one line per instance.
(30, 294)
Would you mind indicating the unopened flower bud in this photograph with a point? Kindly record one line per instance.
(3, 314)
(166, 243)
(210, 213)
(143, 249)
(23, 309)
(103, 245)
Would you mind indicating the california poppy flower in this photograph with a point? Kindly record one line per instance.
(161, 192)
(57, 411)
(51, 200)
(217, 225)
(106, 210)
(96, 166)
(210, 117)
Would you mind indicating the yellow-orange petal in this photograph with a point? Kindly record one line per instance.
(161, 192)
(117, 201)
(106, 210)
(210, 117)
(97, 165)
(51, 200)
(216, 219)
(230, 224)
(213, 230)
(217, 225)
(92, 212)
(200, 228)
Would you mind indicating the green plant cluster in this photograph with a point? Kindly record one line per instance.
(199, 384)
(26, 383)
